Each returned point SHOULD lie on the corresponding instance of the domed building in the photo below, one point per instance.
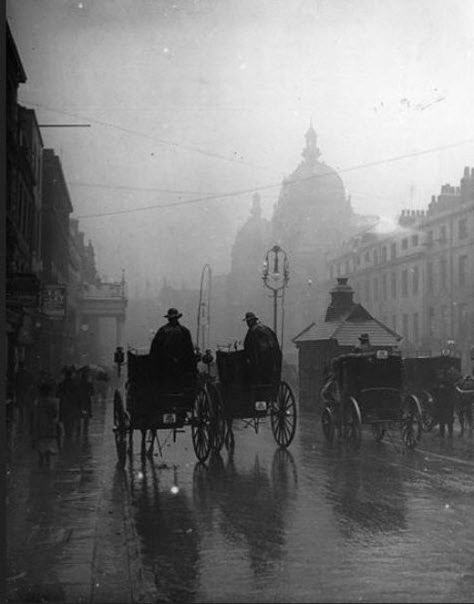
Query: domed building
(313, 212)
(313, 215)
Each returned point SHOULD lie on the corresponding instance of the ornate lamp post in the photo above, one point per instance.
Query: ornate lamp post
(275, 275)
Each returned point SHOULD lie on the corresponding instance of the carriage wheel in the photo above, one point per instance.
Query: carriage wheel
(218, 419)
(411, 426)
(201, 426)
(328, 424)
(378, 430)
(229, 437)
(352, 428)
(428, 420)
(283, 415)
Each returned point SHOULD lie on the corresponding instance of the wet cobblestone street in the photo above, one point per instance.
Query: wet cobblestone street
(314, 523)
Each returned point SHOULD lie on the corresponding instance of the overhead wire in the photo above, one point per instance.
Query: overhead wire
(279, 184)
(158, 140)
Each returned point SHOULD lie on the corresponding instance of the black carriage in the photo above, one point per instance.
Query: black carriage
(366, 389)
(423, 376)
(153, 403)
(241, 398)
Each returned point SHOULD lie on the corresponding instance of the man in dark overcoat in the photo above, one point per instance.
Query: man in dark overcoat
(262, 351)
(172, 356)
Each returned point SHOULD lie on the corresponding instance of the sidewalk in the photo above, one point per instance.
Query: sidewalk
(69, 533)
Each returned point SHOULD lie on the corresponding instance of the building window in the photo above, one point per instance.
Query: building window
(393, 251)
(442, 234)
(394, 322)
(462, 270)
(429, 277)
(339, 270)
(415, 327)
(443, 271)
(405, 327)
(384, 286)
(376, 289)
(405, 283)
(367, 292)
(431, 321)
(384, 254)
(393, 285)
(429, 239)
(347, 267)
(463, 228)
(367, 257)
(331, 271)
(462, 321)
(444, 322)
(405, 243)
(416, 279)
(414, 240)
(376, 258)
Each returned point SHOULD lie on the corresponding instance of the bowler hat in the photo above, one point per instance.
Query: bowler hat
(249, 316)
(364, 337)
(173, 314)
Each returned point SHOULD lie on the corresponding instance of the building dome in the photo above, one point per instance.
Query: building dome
(312, 204)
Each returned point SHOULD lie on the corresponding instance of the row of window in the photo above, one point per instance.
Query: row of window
(438, 323)
(379, 288)
(374, 258)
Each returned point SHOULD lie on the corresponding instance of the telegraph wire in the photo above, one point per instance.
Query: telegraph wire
(277, 185)
(149, 137)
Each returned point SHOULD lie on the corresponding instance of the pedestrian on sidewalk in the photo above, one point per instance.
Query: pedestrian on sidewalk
(24, 394)
(68, 393)
(46, 422)
(86, 394)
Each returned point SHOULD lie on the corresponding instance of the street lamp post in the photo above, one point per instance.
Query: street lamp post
(275, 275)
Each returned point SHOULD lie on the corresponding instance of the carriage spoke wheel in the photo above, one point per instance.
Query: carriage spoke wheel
(283, 415)
(229, 437)
(327, 424)
(218, 419)
(202, 425)
(352, 428)
(378, 430)
(411, 427)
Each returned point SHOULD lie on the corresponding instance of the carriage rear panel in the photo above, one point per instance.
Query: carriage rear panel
(239, 394)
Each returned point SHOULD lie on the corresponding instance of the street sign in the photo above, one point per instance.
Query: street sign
(54, 301)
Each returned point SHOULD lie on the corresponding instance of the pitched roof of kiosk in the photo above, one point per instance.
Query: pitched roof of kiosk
(347, 329)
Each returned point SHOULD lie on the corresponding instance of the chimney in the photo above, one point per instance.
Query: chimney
(341, 300)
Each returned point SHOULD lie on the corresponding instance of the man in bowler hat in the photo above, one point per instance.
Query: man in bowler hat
(262, 351)
(172, 352)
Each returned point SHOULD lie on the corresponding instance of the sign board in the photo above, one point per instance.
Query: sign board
(23, 289)
(54, 301)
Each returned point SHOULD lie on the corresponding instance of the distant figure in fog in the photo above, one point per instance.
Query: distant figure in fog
(46, 422)
(262, 351)
(172, 355)
(68, 393)
(24, 393)
(465, 387)
(86, 394)
(445, 396)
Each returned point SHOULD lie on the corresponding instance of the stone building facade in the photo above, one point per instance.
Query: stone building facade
(418, 275)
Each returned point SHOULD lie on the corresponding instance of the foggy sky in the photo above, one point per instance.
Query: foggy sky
(210, 97)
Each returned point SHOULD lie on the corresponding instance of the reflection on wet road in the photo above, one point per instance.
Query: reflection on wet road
(313, 523)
